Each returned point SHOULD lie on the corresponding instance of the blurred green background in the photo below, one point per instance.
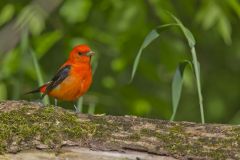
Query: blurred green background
(115, 30)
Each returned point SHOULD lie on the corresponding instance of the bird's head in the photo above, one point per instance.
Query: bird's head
(81, 53)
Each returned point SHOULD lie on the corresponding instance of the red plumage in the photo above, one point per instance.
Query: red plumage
(74, 77)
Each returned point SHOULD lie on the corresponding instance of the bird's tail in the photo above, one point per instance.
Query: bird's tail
(41, 89)
(33, 91)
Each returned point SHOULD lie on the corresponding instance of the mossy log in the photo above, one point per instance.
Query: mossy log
(31, 131)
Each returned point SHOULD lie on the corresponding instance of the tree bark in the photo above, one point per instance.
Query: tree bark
(30, 131)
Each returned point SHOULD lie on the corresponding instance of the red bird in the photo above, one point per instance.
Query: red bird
(74, 77)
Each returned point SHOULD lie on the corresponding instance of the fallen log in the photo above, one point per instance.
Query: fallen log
(30, 130)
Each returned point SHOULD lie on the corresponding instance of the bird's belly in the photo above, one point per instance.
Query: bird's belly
(71, 88)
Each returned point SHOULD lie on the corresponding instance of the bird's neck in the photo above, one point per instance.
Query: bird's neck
(85, 60)
(81, 65)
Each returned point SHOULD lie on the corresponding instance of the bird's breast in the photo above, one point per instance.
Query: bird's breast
(75, 85)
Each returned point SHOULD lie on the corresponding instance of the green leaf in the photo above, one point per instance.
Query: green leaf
(191, 42)
(154, 34)
(165, 27)
(208, 15)
(225, 29)
(149, 38)
(213, 14)
(141, 107)
(196, 64)
(235, 6)
(10, 63)
(108, 82)
(177, 85)
(6, 14)
(36, 24)
(186, 32)
(75, 10)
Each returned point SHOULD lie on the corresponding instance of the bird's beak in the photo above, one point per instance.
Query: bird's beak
(90, 53)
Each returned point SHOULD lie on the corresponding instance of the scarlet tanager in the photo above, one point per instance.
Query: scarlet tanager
(74, 77)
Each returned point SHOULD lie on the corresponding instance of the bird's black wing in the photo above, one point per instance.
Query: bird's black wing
(57, 79)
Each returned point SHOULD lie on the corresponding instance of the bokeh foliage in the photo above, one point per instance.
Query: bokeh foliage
(115, 29)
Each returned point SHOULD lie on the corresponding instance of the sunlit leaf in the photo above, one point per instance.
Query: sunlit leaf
(10, 63)
(118, 64)
(225, 29)
(208, 16)
(141, 107)
(75, 10)
(108, 82)
(177, 86)
(6, 13)
(36, 24)
(235, 5)
(214, 15)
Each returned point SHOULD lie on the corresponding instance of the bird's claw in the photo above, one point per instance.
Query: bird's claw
(76, 109)
(55, 103)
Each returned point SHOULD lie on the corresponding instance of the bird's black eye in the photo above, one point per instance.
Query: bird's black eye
(80, 53)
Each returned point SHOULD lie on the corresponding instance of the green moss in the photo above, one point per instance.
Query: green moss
(176, 141)
(49, 125)
(176, 129)
(105, 127)
(134, 137)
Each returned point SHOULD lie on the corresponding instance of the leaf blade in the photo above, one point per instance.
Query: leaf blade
(196, 65)
(190, 38)
(177, 86)
(149, 38)
(154, 34)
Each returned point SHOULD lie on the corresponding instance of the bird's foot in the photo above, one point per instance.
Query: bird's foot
(55, 103)
(76, 109)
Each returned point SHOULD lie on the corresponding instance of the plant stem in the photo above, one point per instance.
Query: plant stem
(80, 104)
(197, 72)
(39, 75)
(91, 108)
